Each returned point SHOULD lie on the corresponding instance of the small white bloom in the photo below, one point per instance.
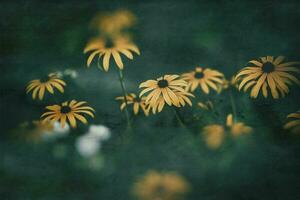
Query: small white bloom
(57, 131)
(59, 74)
(99, 132)
(86, 146)
(70, 72)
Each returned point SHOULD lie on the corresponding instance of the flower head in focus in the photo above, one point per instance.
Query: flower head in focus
(68, 111)
(48, 83)
(268, 74)
(167, 89)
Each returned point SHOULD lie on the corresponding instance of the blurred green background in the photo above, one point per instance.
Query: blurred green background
(39, 37)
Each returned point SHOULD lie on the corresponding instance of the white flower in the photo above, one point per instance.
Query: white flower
(56, 132)
(99, 132)
(70, 72)
(86, 146)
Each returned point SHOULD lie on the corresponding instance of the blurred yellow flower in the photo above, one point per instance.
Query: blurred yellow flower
(204, 77)
(268, 72)
(160, 186)
(214, 134)
(135, 101)
(48, 83)
(107, 48)
(67, 111)
(207, 105)
(294, 123)
(33, 131)
(114, 23)
(167, 89)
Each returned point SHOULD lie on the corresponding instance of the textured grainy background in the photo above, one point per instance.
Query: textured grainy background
(38, 37)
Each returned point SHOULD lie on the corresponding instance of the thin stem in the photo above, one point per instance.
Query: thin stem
(232, 103)
(178, 118)
(121, 78)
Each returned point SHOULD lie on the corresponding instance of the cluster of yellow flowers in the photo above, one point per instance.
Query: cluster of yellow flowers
(156, 185)
(266, 75)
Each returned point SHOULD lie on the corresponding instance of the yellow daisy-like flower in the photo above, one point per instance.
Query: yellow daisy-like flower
(70, 111)
(214, 134)
(294, 124)
(268, 73)
(136, 102)
(160, 186)
(207, 105)
(49, 83)
(167, 89)
(115, 22)
(33, 131)
(107, 48)
(205, 78)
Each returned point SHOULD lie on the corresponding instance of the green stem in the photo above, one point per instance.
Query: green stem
(232, 103)
(178, 118)
(121, 78)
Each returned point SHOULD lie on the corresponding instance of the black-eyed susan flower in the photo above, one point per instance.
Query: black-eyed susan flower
(206, 105)
(160, 186)
(203, 77)
(68, 111)
(214, 134)
(167, 89)
(49, 83)
(136, 103)
(106, 49)
(268, 73)
(113, 23)
(294, 123)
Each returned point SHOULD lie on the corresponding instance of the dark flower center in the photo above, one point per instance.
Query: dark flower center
(137, 99)
(65, 109)
(109, 43)
(162, 83)
(44, 79)
(199, 75)
(268, 67)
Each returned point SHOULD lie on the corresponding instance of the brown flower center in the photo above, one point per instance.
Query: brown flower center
(199, 75)
(268, 67)
(65, 109)
(109, 43)
(44, 79)
(162, 83)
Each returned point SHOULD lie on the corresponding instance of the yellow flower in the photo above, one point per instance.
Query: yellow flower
(67, 111)
(294, 124)
(268, 73)
(107, 48)
(49, 83)
(114, 23)
(33, 131)
(167, 89)
(207, 105)
(160, 186)
(205, 78)
(136, 101)
(237, 128)
(214, 134)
